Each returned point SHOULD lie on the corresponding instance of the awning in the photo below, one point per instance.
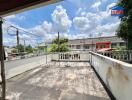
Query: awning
(14, 6)
(105, 49)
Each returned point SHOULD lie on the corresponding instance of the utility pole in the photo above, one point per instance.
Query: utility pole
(58, 42)
(2, 71)
(24, 46)
(92, 44)
(59, 48)
(83, 44)
(46, 51)
(17, 34)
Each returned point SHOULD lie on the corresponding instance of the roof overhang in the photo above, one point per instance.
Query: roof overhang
(8, 7)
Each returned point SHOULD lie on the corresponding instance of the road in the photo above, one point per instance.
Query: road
(12, 68)
(16, 63)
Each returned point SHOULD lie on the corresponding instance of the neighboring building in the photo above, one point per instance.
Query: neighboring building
(8, 49)
(96, 43)
(44, 46)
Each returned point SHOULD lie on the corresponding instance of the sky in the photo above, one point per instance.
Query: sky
(72, 18)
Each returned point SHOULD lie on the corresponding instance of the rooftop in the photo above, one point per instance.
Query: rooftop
(113, 39)
(54, 82)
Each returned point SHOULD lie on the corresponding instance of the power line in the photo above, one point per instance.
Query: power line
(20, 29)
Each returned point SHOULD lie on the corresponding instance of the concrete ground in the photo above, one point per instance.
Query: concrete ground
(57, 81)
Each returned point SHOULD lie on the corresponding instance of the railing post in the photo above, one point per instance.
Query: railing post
(3, 83)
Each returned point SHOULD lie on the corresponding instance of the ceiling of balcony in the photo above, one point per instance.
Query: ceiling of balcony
(8, 7)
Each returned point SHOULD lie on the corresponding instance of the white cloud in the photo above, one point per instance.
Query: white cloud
(10, 17)
(96, 5)
(42, 29)
(10, 40)
(82, 23)
(47, 26)
(16, 17)
(102, 21)
(110, 5)
(47, 30)
(61, 21)
(86, 22)
(108, 28)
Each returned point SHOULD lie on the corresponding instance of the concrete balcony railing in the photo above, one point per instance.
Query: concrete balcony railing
(125, 55)
(71, 56)
(116, 75)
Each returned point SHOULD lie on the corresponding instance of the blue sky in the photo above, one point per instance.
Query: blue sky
(72, 18)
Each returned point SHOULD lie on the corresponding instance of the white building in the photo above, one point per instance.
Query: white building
(91, 43)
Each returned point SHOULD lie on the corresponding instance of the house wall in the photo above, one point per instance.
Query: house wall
(77, 45)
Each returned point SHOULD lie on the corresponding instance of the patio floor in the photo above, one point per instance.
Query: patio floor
(57, 81)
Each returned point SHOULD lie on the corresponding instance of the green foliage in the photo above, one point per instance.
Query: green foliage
(127, 4)
(125, 28)
(21, 48)
(29, 49)
(64, 48)
(61, 40)
(120, 48)
(63, 45)
(54, 48)
(14, 50)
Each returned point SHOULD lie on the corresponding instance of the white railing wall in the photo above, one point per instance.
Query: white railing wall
(125, 55)
(71, 56)
(117, 75)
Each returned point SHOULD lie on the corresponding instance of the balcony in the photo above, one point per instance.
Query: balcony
(57, 81)
(74, 76)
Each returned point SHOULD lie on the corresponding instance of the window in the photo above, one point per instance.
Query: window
(86, 46)
(72, 46)
(78, 47)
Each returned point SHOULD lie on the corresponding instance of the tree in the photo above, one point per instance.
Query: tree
(14, 50)
(125, 28)
(63, 45)
(61, 40)
(21, 48)
(29, 49)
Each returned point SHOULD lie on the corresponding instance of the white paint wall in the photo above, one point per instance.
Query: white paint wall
(117, 75)
(83, 55)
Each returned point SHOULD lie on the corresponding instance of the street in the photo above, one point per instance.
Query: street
(13, 68)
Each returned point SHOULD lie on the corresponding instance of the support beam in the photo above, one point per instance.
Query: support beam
(2, 71)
